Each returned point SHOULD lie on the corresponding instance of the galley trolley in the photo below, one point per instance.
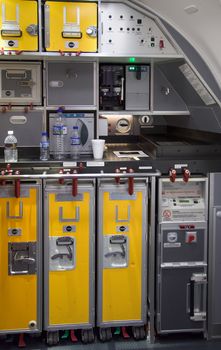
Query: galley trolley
(20, 256)
(122, 257)
(182, 255)
(69, 258)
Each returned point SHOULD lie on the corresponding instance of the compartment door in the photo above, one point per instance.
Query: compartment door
(123, 250)
(71, 26)
(18, 259)
(181, 300)
(68, 259)
(19, 25)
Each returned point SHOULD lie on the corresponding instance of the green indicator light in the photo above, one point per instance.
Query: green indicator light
(132, 59)
(132, 68)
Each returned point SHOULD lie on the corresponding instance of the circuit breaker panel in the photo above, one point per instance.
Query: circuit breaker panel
(70, 26)
(127, 31)
(19, 25)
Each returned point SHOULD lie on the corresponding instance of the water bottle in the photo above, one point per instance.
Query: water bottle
(75, 143)
(10, 151)
(44, 146)
(59, 132)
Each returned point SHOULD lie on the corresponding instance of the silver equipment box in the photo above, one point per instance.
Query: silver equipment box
(85, 123)
(20, 83)
(71, 84)
(27, 127)
(137, 87)
(182, 256)
(214, 280)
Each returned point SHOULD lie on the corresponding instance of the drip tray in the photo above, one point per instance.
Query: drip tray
(135, 154)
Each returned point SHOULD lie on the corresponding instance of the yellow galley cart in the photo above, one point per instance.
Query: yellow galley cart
(20, 257)
(69, 259)
(19, 25)
(122, 258)
(70, 26)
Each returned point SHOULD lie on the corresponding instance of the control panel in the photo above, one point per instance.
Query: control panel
(127, 31)
(20, 83)
(181, 201)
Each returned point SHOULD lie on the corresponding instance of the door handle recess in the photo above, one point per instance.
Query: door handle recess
(9, 216)
(218, 213)
(75, 219)
(117, 215)
(24, 259)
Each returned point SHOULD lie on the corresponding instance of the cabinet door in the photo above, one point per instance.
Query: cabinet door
(166, 98)
(174, 314)
(214, 280)
(70, 84)
(20, 247)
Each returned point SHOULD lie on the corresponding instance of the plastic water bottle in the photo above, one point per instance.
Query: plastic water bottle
(75, 143)
(11, 152)
(59, 132)
(44, 147)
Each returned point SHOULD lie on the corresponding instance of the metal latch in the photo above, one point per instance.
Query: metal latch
(71, 29)
(22, 258)
(115, 251)
(10, 28)
(64, 242)
(197, 296)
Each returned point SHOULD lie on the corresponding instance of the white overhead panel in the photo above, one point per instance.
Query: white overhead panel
(126, 31)
(198, 21)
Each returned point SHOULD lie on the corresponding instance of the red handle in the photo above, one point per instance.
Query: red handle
(130, 183)
(186, 175)
(172, 175)
(61, 181)
(17, 188)
(74, 187)
(117, 179)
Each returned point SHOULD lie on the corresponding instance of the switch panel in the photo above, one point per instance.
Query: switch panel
(126, 31)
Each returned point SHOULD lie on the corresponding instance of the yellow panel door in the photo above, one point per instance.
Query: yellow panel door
(18, 292)
(19, 25)
(122, 272)
(71, 26)
(69, 265)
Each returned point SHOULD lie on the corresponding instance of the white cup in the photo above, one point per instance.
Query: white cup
(98, 148)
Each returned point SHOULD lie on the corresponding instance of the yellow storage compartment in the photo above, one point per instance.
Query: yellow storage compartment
(71, 26)
(122, 274)
(19, 25)
(20, 248)
(69, 257)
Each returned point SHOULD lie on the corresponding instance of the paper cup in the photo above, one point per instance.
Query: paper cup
(98, 148)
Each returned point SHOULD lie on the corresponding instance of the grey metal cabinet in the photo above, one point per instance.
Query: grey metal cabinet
(214, 273)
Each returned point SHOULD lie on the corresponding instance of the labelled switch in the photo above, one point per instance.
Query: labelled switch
(161, 44)
(191, 237)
